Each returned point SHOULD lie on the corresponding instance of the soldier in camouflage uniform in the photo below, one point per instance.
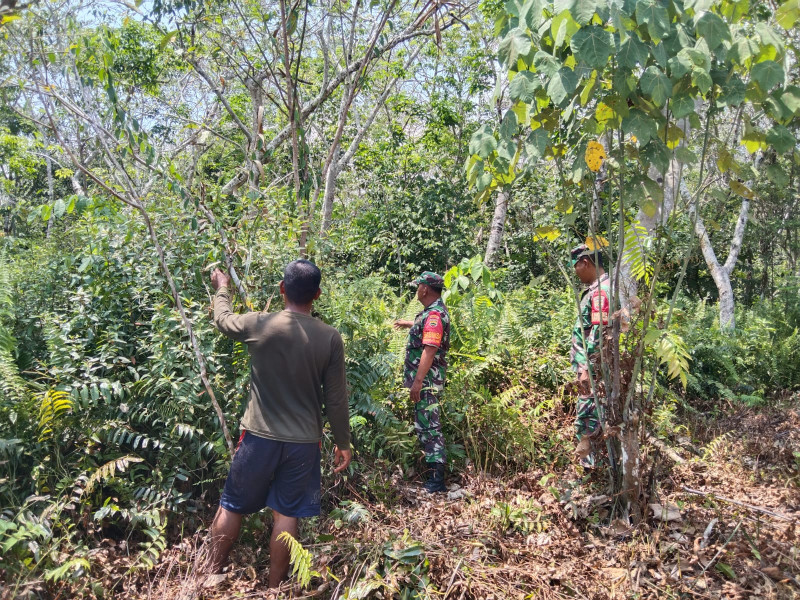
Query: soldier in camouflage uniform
(424, 372)
(586, 337)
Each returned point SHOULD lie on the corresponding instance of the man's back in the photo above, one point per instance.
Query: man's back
(293, 357)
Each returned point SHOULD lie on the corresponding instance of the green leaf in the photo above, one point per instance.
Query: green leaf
(653, 14)
(779, 138)
(563, 28)
(679, 65)
(682, 105)
(59, 208)
(632, 53)
(592, 45)
(656, 85)
(167, 39)
(788, 14)
(656, 154)
(684, 155)
(790, 96)
(546, 63)
(767, 74)
(47, 212)
(505, 152)
(508, 126)
(725, 569)
(483, 142)
(641, 125)
(702, 80)
(562, 85)
(523, 87)
(698, 6)
(732, 92)
(769, 37)
(516, 43)
(536, 144)
(583, 10)
(713, 29)
(777, 175)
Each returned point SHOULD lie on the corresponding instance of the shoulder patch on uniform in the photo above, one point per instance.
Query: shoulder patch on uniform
(600, 308)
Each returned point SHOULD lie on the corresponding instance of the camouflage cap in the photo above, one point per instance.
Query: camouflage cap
(428, 278)
(578, 252)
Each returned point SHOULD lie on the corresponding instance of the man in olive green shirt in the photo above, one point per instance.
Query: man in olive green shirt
(297, 367)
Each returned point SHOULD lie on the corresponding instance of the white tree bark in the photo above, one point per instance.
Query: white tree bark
(721, 273)
(498, 226)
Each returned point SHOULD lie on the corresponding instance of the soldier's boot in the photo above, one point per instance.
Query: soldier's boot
(435, 481)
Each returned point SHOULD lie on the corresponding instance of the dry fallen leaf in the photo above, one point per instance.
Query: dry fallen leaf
(666, 513)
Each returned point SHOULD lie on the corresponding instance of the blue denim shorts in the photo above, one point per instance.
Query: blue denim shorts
(283, 476)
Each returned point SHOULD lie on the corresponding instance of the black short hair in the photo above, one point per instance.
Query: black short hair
(596, 259)
(301, 281)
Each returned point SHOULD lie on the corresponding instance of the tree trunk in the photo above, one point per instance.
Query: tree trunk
(721, 274)
(498, 226)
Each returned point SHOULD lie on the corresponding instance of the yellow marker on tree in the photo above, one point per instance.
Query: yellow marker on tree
(595, 155)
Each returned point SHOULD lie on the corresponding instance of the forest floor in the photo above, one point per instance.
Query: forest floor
(722, 522)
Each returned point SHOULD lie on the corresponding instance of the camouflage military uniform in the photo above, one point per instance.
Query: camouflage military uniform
(431, 328)
(594, 309)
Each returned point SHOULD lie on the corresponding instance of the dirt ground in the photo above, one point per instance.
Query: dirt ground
(722, 521)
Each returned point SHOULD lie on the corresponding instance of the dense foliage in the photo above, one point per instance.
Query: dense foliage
(137, 153)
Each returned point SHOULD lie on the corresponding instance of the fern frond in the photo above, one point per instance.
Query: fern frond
(300, 558)
(636, 251)
(54, 404)
(109, 471)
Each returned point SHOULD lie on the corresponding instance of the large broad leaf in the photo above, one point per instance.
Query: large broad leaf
(767, 74)
(679, 65)
(562, 85)
(788, 14)
(790, 96)
(643, 126)
(582, 10)
(505, 152)
(563, 28)
(781, 139)
(632, 53)
(682, 105)
(536, 144)
(509, 126)
(713, 29)
(656, 154)
(777, 175)
(523, 87)
(592, 45)
(516, 43)
(732, 92)
(546, 63)
(644, 192)
(702, 80)
(653, 14)
(483, 142)
(656, 85)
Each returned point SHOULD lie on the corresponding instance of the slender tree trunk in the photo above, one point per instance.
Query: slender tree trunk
(498, 226)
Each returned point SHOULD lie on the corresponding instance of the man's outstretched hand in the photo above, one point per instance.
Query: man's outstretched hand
(219, 279)
(341, 459)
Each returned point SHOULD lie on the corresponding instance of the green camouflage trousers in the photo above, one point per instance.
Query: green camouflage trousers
(586, 420)
(428, 427)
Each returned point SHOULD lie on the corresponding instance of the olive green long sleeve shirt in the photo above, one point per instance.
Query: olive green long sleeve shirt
(296, 369)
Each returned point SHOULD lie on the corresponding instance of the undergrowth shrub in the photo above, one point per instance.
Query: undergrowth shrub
(752, 364)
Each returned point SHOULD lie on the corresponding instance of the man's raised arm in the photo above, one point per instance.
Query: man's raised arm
(229, 323)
